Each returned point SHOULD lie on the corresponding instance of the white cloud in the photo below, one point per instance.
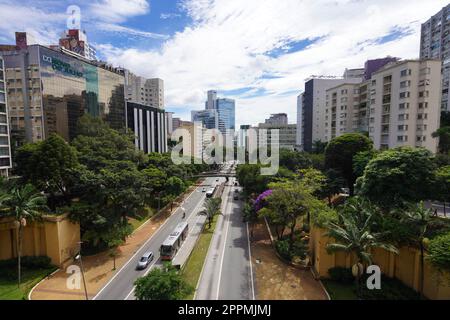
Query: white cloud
(165, 16)
(42, 25)
(119, 10)
(226, 47)
(130, 31)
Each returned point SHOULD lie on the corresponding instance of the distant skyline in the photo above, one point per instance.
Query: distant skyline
(258, 52)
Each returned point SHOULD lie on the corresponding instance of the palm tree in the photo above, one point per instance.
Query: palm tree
(420, 217)
(212, 207)
(24, 204)
(353, 234)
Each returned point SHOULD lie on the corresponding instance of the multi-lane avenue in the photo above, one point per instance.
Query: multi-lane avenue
(121, 286)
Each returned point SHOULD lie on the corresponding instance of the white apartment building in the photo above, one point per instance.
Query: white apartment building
(5, 144)
(342, 102)
(148, 92)
(405, 104)
(398, 106)
(287, 135)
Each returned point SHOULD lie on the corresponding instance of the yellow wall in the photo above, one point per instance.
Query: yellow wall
(55, 237)
(405, 266)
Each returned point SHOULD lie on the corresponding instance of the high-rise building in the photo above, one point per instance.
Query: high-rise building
(147, 92)
(286, 134)
(243, 136)
(277, 119)
(226, 110)
(397, 106)
(311, 106)
(169, 123)
(212, 100)
(434, 40)
(49, 90)
(208, 117)
(5, 144)
(149, 127)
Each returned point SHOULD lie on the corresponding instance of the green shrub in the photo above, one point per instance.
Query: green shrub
(342, 275)
(439, 251)
(30, 262)
(282, 247)
(438, 227)
(391, 289)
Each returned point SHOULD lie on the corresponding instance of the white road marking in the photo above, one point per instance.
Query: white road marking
(224, 247)
(250, 262)
(140, 249)
(150, 267)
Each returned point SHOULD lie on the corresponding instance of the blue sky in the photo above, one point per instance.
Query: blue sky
(258, 52)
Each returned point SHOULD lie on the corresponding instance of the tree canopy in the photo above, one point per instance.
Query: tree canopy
(339, 155)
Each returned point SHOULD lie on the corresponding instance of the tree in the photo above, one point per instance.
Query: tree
(289, 201)
(442, 186)
(162, 284)
(293, 160)
(339, 155)
(332, 185)
(419, 217)
(24, 204)
(212, 208)
(319, 146)
(353, 234)
(398, 176)
(443, 134)
(361, 160)
(49, 165)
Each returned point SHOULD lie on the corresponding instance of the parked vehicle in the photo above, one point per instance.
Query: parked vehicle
(145, 260)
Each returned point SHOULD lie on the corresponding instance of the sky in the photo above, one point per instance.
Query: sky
(258, 52)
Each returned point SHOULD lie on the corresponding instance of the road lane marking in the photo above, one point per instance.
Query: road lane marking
(140, 249)
(150, 267)
(224, 247)
(251, 268)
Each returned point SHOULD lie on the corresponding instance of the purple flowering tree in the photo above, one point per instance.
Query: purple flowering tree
(260, 202)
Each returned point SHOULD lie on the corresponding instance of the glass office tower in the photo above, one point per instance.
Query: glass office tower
(49, 91)
(226, 113)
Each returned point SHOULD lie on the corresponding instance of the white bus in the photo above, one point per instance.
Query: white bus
(210, 192)
(170, 247)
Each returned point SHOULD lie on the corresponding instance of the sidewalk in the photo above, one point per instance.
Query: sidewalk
(98, 268)
(274, 279)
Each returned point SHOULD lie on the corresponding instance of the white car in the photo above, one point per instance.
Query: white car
(145, 260)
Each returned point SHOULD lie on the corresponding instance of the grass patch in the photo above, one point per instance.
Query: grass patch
(193, 268)
(10, 291)
(139, 221)
(340, 291)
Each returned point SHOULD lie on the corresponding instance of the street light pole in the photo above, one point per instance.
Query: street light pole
(78, 257)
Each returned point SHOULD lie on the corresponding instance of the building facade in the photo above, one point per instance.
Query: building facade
(208, 117)
(49, 90)
(226, 112)
(149, 127)
(405, 104)
(5, 143)
(435, 44)
(147, 92)
(285, 133)
(277, 119)
(398, 106)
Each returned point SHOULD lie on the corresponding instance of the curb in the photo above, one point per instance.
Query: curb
(45, 278)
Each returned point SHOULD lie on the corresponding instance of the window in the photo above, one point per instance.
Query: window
(402, 106)
(405, 84)
(405, 73)
(424, 94)
(403, 116)
(405, 94)
(423, 105)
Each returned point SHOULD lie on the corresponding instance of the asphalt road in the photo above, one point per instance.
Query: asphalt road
(227, 273)
(121, 287)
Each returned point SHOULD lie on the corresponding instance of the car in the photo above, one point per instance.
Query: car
(236, 197)
(217, 180)
(204, 190)
(236, 190)
(145, 260)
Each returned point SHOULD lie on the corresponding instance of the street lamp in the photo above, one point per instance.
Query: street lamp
(78, 257)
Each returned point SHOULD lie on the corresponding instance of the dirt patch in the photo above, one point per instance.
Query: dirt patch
(276, 280)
